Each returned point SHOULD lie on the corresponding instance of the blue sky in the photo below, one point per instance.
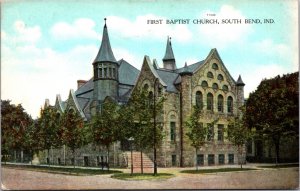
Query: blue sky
(46, 46)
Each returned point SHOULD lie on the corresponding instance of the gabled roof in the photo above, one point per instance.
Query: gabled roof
(169, 55)
(85, 88)
(105, 53)
(127, 73)
(190, 68)
(168, 78)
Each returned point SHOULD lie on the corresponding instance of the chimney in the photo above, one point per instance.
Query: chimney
(80, 83)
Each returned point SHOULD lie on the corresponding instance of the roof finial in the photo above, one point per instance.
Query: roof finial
(185, 65)
(105, 22)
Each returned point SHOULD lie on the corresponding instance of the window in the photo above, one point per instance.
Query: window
(215, 86)
(220, 132)
(231, 159)
(210, 102)
(199, 99)
(225, 88)
(172, 131)
(95, 73)
(229, 104)
(58, 161)
(159, 91)
(105, 72)
(210, 75)
(48, 160)
(221, 159)
(204, 84)
(114, 73)
(100, 73)
(86, 161)
(173, 160)
(146, 86)
(210, 133)
(98, 161)
(200, 159)
(220, 77)
(72, 161)
(215, 66)
(220, 103)
(211, 159)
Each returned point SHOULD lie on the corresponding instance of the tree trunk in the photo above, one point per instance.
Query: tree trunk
(48, 156)
(240, 148)
(108, 157)
(73, 151)
(277, 152)
(142, 167)
(196, 160)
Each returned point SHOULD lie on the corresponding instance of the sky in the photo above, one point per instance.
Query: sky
(47, 45)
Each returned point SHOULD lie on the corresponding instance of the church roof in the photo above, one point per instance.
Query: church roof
(168, 78)
(105, 53)
(127, 73)
(169, 55)
(190, 68)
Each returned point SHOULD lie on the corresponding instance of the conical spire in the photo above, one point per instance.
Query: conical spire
(240, 82)
(105, 53)
(169, 55)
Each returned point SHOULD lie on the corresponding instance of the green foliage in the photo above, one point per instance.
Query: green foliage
(72, 130)
(237, 132)
(105, 124)
(51, 131)
(273, 109)
(216, 170)
(141, 107)
(14, 123)
(197, 133)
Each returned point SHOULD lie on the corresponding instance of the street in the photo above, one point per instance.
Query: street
(285, 178)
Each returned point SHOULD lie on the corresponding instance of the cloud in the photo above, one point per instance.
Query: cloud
(267, 46)
(139, 28)
(80, 28)
(23, 34)
(221, 35)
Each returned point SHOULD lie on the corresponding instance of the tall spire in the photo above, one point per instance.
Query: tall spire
(105, 53)
(169, 55)
(169, 60)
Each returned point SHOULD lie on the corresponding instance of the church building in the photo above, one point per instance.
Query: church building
(206, 83)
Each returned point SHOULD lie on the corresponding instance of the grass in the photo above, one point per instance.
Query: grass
(63, 170)
(280, 166)
(202, 171)
(145, 176)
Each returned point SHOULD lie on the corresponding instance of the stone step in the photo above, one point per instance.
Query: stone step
(136, 158)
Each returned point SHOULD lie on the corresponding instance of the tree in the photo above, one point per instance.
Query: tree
(238, 134)
(197, 133)
(73, 127)
(141, 107)
(273, 110)
(51, 131)
(105, 125)
(14, 122)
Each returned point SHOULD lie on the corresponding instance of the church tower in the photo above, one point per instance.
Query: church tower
(105, 72)
(240, 92)
(169, 60)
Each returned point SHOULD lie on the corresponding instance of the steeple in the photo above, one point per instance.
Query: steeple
(105, 53)
(240, 82)
(169, 59)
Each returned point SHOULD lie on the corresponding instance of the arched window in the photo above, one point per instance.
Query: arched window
(204, 84)
(225, 88)
(215, 66)
(150, 95)
(210, 101)
(229, 104)
(199, 99)
(220, 77)
(220, 103)
(146, 87)
(215, 86)
(210, 75)
(100, 73)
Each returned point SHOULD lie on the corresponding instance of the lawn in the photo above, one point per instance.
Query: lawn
(280, 166)
(63, 170)
(201, 171)
(145, 176)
